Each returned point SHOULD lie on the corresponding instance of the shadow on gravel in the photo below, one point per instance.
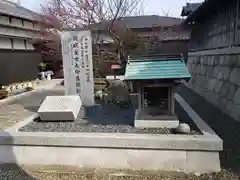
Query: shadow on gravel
(111, 114)
(10, 170)
(32, 108)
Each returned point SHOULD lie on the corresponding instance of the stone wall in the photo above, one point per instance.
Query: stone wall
(216, 77)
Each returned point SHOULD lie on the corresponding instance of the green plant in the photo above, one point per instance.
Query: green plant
(42, 66)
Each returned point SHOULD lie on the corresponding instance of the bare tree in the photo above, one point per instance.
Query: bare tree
(166, 13)
(97, 15)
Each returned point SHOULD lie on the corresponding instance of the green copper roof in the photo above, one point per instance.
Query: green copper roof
(156, 69)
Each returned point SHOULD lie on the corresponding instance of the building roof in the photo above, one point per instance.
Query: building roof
(189, 8)
(146, 69)
(13, 9)
(206, 6)
(139, 22)
(172, 31)
(150, 21)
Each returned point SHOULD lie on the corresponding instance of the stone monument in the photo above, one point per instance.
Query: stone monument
(78, 79)
(77, 65)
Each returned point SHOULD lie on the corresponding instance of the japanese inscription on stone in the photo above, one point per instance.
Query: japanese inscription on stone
(76, 60)
(77, 64)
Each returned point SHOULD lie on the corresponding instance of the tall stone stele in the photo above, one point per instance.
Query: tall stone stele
(77, 65)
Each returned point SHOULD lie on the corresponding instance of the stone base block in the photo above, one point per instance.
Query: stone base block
(86, 111)
(200, 161)
(171, 124)
(146, 121)
(102, 158)
(95, 109)
(60, 108)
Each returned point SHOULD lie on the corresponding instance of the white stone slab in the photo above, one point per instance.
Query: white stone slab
(161, 123)
(60, 108)
(145, 121)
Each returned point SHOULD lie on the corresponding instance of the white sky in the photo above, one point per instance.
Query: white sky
(159, 7)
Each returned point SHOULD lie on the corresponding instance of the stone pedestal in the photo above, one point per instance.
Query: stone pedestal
(60, 108)
(147, 121)
(91, 110)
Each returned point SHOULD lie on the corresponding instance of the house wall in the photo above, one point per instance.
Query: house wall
(214, 57)
(18, 22)
(172, 47)
(15, 56)
(5, 43)
(17, 44)
(11, 31)
(18, 58)
(29, 46)
(12, 26)
(17, 66)
(4, 20)
(28, 25)
(218, 27)
(216, 77)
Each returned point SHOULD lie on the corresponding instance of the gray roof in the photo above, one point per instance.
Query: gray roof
(141, 22)
(138, 22)
(13, 9)
(189, 8)
(150, 21)
(206, 7)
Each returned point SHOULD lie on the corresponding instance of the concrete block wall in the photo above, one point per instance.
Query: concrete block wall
(216, 77)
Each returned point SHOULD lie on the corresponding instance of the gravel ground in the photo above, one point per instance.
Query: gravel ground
(12, 114)
(109, 119)
(15, 173)
(78, 127)
(24, 107)
(33, 101)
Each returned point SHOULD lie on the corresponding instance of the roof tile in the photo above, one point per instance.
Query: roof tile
(156, 69)
(13, 9)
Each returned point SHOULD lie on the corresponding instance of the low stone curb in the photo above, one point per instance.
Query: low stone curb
(182, 153)
(12, 136)
(208, 141)
(201, 124)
